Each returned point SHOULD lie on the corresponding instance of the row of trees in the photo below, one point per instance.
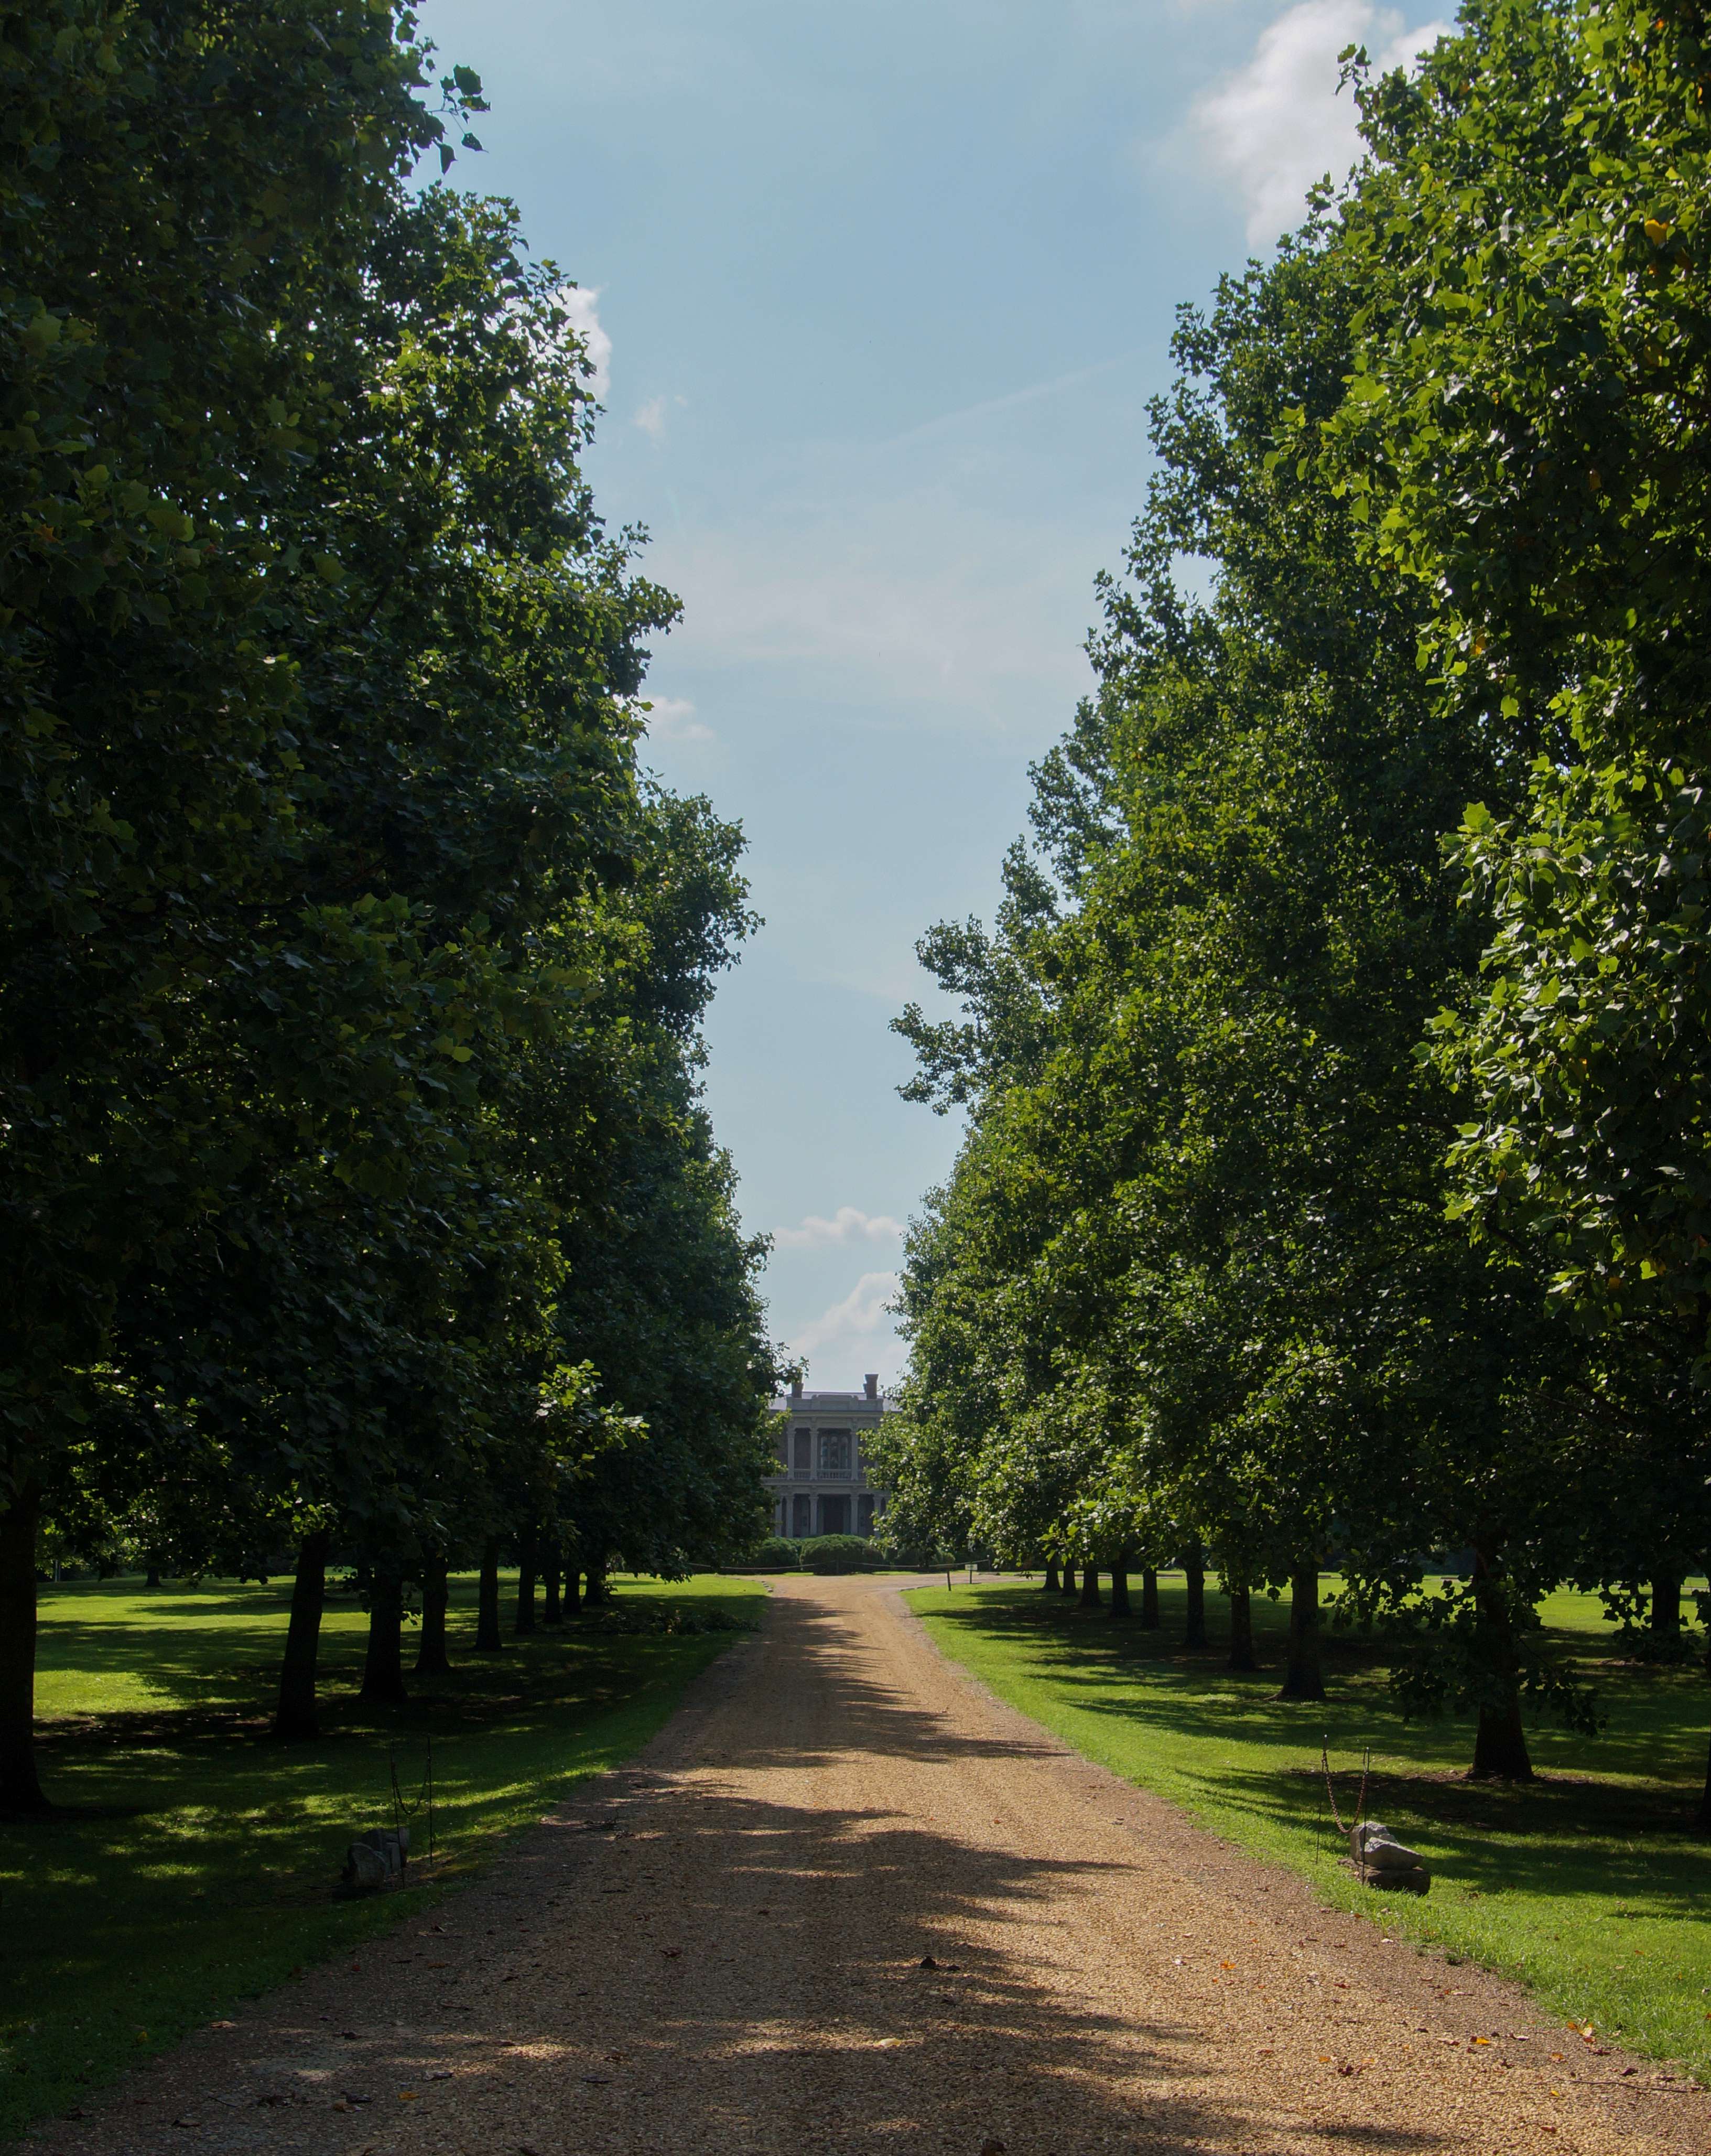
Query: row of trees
(357, 1196)
(1335, 1184)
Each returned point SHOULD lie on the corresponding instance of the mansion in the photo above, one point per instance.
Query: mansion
(821, 1486)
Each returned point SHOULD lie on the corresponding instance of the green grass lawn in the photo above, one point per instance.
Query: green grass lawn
(1586, 1884)
(198, 1861)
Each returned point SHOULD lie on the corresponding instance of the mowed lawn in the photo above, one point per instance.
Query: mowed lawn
(198, 1860)
(1587, 1885)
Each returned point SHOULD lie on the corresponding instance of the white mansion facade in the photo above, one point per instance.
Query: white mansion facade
(821, 1486)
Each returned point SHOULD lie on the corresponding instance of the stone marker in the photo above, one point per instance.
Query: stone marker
(1383, 1861)
(376, 1859)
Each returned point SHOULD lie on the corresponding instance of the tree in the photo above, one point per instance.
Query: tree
(176, 186)
(1523, 441)
(328, 846)
(1219, 1225)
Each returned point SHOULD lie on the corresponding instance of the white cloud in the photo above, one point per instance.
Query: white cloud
(650, 416)
(1279, 124)
(852, 1332)
(673, 719)
(581, 305)
(849, 1224)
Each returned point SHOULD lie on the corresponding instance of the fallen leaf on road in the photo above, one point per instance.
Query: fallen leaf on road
(406, 2096)
(185, 2119)
(993, 2148)
(671, 1953)
(598, 2081)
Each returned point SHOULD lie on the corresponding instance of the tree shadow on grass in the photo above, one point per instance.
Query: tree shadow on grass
(1599, 1821)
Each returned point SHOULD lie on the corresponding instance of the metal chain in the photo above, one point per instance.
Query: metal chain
(1346, 1829)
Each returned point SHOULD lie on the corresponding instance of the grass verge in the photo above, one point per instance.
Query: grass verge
(1585, 1884)
(196, 1862)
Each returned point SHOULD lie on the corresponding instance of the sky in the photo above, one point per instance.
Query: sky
(878, 293)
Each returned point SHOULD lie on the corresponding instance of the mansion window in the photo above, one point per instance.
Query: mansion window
(804, 1452)
(836, 1449)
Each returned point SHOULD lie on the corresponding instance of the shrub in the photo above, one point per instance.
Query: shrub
(778, 1553)
(915, 1558)
(840, 1553)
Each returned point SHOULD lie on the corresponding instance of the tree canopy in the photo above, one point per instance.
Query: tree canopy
(1331, 1190)
(358, 1196)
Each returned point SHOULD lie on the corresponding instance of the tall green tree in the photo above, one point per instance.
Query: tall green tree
(178, 189)
(1228, 1152)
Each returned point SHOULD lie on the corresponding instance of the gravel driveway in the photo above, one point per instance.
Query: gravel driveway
(845, 1901)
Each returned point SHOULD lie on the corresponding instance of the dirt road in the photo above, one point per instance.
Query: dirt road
(725, 1949)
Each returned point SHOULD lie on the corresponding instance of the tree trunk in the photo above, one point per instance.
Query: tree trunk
(1194, 1573)
(1119, 1585)
(1500, 1745)
(432, 1659)
(595, 1593)
(20, 1790)
(1666, 1605)
(1499, 1742)
(1241, 1656)
(573, 1590)
(383, 1665)
(552, 1580)
(488, 1638)
(1050, 1581)
(1066, 1583)
(1149, 1599)
(528, 1571)
(152, 1577)
(294, 1716)
(1090, 1588)
(1303, 1669)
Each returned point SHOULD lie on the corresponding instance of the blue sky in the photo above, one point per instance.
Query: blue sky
(881, 290)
